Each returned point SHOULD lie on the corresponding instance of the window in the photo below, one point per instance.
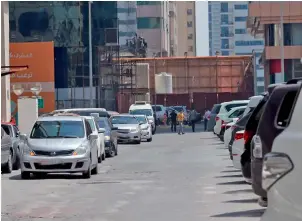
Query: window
(286, 108)
(126, 34)
(224, 19)
(91, 123)
(225, 43)
(190, 36)
(7, 129)
(127, 22)
(224, 32)
(16, 131)
(241, 7)
(240, 19)
(190, 24)
(189, 11)
(210, 17)
(216, 109)
(88, 128)
(148, 2)
(190, 48)
(240, 31)
(158, 108)
(225, 53)
(210, 26)
(126, 10)
(236, 113)
(230, 106)
(260, 78)
(260, 89)
(209, 8)
(224, 7)
(148, 22)
(248, 43)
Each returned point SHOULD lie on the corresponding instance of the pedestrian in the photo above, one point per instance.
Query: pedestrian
(180, 119)
(193, 118)
(173, 117)
(206, 117)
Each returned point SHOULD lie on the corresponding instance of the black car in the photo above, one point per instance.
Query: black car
(111, 145)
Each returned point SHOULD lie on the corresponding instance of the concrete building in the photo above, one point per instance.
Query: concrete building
(264, 20)
(5, 81)
(228, 33)
(153, 26)
(186, 28)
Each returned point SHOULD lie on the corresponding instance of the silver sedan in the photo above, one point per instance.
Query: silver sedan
(59, 144)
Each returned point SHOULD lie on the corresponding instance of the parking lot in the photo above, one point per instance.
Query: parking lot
(175, 177)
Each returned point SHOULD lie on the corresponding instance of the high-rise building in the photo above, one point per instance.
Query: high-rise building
(153, 26)
(228, 34)
(265, 19)
(186, 28)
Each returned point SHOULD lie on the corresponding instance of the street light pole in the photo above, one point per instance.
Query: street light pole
(90, 55)
(282, 42)
(217, 53)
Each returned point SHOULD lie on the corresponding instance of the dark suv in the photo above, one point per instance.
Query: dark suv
(278, 107)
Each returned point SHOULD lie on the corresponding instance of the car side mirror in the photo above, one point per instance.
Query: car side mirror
(102, 130)
(92, 137)
(114, 128)
(23, 136)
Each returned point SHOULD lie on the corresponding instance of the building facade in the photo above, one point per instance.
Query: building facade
(153, 26)
(265, 20)
(67, 25)
(228, 34)
(186, 28)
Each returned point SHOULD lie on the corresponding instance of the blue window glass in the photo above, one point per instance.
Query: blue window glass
(225, 32)
(240, 18)
(126, 10)
(148, 23)
(225, 43)
(241, 7)
(225, 53)
(240, 31)
(210, 17)
(224, 7)
(224, 19)
(210, 26)
(248, 43)
(127, 22)
(209, 7)
(148, 2)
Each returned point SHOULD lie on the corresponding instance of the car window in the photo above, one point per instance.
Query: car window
(146, 112)
(178, 108)
(104, 124)
(228, 107)
(242, 122)
(57, 129)
(124, 120)
(2, 132)
(158, 108)
(236, 113)
(16, 130)
(141, 119)
(285, 109)
(216, 109)
(88, 128)
(6, 129)
(91, 123)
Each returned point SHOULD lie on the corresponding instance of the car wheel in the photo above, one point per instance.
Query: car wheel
(100, 158)
(25, 175)
(153, 131)
(104, 156)
(111, 150)
(16, 165)
(149, 140)
(95, 170)
(87, 174)
(8, 168)
(116, 150)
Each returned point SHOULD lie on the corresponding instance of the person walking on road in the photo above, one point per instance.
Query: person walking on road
(206, 116)
(180, 119)
(192, 119)
(173, 117)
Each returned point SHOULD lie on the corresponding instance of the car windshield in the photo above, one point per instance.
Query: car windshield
(141, 119)
(146, 112)
(91, 123)
(103, 123)
(123, 120)
(178, 109)
(58, 129)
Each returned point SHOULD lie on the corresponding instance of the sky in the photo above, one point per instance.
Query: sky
(202, 28)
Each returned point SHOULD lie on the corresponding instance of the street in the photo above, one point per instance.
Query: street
(175, 177)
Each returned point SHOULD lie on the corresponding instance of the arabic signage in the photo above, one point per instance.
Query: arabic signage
(39, 56)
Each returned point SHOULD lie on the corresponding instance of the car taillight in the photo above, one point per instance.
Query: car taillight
(223, 125)
(247, 136)
(257, 151)
(275, 166)
(238, 136)
(216, 118)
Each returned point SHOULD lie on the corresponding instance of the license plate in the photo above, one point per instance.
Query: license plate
(124, 135)
(50, 162)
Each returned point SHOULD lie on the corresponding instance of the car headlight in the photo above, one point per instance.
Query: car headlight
(134, 130)
(145, 128)
(107, 138)
(28, 151)
(81, 150)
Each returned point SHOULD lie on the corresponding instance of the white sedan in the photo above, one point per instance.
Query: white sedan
(146, 127)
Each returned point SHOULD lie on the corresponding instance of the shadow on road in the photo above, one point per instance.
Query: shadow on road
(239, 191)
(49, 176)
(233, 183)
(230, 176)
(255, 200)
(247, 213)
(230, 171)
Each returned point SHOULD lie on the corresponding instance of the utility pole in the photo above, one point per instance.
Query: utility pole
(282, 42)
(90, 55)
(217, 100)
(255, 72)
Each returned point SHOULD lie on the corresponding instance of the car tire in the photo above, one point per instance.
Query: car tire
(138, 142)
(116, 150)
(104, 156)
(100, 158)
(112, 150)
(16, 165)
(95, 170)
(149, 140)
(8, 167)
(87, 174)
(25, 175)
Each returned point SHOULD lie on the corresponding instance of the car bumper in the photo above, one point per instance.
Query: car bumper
(146, 134)
(256, 165)
(121, 137)
(66, 164)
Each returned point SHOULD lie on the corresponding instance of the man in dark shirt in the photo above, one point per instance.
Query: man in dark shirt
(173, 117)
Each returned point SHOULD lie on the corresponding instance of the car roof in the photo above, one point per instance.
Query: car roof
(88, 117)
(58, 118)
(139, 115)
(124, 115)
(240, 107)
(83, 109)
(235, 102)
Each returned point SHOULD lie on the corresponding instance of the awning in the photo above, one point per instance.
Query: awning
(7, 70)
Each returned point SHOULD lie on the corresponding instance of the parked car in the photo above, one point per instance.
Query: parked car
(228, 127)
(211, 119)
(146, 127)
(111, 113)
(224, 110)
(111, 144)
(254, 101)
(281, 173)
(129, 129)
(160, 111)
(101, 138)
(59, 144)
(13, 132)
(237, 149)
(6, 152)
(280, 104)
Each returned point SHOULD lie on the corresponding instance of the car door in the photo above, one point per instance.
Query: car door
(113, 134)
(93, 143)
(101, 136)
(5, 146)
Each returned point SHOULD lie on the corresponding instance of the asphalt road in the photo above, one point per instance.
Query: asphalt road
(173, 178)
